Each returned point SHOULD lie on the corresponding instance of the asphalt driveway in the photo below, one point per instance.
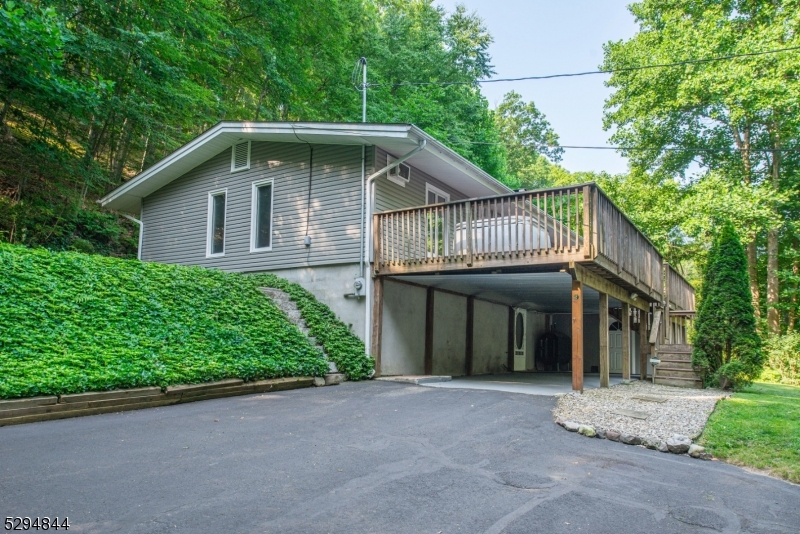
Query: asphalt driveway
(369, 457)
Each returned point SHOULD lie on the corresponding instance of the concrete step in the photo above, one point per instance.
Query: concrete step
(663, 356)
(695, 383)
(675, 348)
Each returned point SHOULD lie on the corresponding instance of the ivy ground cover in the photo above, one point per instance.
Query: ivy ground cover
(73, 322)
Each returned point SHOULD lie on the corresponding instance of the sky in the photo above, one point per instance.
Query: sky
(538, 37)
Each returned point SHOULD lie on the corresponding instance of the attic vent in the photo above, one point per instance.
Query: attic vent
(401, 174)
(240, 156)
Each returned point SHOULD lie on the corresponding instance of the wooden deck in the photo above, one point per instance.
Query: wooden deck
(532, 230)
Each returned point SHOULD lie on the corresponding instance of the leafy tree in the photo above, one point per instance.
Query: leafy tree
(726, 344)
(527, 137)
(734, 117)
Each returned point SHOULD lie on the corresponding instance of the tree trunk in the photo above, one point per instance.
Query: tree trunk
(742, 140)
(773, 283)
(4, 129)
(795, 273)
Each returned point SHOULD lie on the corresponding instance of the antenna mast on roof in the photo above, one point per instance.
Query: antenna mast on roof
(363, 62)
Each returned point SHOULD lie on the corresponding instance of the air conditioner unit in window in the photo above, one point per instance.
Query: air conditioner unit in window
(401, 174)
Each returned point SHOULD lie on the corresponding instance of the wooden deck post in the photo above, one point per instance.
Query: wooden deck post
(377, 322)
(429, 331)
(644, 345)
(667, 339)
(510, 356)
(469, 346)
(603, 328)
(577, 336)
(626, 341)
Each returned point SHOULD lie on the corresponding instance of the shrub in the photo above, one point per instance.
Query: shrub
(726, 344)
(341, 345)
(72, 322)
(783, 358)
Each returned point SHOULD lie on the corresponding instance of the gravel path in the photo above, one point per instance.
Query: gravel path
(685, 411)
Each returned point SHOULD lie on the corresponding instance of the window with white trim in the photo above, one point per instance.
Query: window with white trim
(261, 216)
(215, 245)
(434, 195)
(240, 156)
(401, 174)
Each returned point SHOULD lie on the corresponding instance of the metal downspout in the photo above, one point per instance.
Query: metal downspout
(366, 227)
(141, 232)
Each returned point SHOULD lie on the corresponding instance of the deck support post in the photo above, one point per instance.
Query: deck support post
(603, 327)
(644, 345)
(577, 336)
(377, 322)
(626, 341)
(469, 346)
(429, 296)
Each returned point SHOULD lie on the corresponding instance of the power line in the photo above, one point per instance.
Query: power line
(592, 72)
(635, 149)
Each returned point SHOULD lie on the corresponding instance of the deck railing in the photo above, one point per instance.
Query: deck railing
(624, 247)
(559, 225)
(681, 293)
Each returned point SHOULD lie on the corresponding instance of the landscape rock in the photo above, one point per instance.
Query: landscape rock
(571, 426)
(587, 431)
(696, 450)
(560, 422)
(627, 439)
(650, 443)
(678, 444)
(319, 381)
(331, 379)
(706, 456)
(662, 447)
(613, 435)
(601, 433)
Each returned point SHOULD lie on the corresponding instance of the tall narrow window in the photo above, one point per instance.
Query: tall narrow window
(261, 218)
(216, 223)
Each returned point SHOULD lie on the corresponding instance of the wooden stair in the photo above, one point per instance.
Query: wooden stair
(676, 368)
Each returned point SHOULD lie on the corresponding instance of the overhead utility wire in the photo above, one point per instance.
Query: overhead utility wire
(639, 149)
(591, 72)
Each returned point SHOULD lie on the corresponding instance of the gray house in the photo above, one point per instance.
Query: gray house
(438, 267)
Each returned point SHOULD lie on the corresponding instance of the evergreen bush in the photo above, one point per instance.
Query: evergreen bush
(726, 345)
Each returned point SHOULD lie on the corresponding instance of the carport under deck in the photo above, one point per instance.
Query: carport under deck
(553, 252)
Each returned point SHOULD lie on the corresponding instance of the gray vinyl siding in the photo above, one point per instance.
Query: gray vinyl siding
(176, 216)
(391, 196)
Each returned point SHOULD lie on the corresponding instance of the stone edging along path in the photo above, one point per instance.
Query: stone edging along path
(659, 417)
(28, 410)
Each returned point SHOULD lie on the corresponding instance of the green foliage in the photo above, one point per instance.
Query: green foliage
(783, 358)
(341, 345)
(726, 343)
(73, 322)
(527, 137)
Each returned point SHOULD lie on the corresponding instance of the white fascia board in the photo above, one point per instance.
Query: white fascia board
(467, 167)
(225, 133)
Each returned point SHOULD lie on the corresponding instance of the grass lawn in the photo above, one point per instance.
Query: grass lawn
(759, 428)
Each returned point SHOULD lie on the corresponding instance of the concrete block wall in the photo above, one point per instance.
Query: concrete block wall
(490, 344)
(449, 334)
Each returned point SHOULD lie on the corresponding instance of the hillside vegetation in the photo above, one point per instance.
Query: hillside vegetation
(72, 322)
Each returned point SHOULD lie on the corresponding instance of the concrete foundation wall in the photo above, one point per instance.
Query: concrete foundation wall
(329, 284)
(403, 332)
(490, 338)
(449, 334)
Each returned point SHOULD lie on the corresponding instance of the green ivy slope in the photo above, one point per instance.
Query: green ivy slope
(341, 345)
(72, 322)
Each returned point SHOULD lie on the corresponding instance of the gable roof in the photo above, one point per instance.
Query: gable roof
(435, 159)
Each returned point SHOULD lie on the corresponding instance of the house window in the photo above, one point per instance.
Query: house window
(240, 156)
(401, 174)
(261, 216)
(434, 195)
(216, 223)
